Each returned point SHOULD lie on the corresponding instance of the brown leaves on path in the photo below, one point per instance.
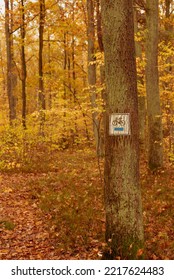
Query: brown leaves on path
(53, 215)
(158, 197)
(60, 214)
(27, 238)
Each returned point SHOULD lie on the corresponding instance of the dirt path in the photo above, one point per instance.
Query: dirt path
(23, 233)
(27, 232)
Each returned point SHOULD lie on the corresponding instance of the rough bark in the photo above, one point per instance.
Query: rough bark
(124, 227)
(155, 137)
(11, 73)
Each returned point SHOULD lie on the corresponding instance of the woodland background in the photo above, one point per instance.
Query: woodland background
(51, 117)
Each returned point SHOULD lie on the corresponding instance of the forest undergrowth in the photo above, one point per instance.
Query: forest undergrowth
(58, 212)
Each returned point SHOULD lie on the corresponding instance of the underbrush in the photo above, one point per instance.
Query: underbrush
(28, 150)
(65, 184)
(72, 200)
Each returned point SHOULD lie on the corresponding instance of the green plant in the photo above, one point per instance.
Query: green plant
(9, 225)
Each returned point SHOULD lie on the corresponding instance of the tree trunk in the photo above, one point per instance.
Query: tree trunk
(142, 112)
(99, 25)
(2, 70)
(11, 75)
(92, 69)
(65, 78)
(75, 134)
(42, 104)
(23, 64)
(49, 74)
(169, 86)
(155, 137)
(124, 228)
(102, 76)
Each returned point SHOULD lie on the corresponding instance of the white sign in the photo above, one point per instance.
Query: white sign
(119, 124)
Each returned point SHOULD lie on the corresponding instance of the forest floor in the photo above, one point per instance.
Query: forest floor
(59, 213)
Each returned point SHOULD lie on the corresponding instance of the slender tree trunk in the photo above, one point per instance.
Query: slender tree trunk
(41, 33)
(2, 70)
(99, 26)
(49, 74)
(102, 77)
(65, 61)
(138, 49)
(169, 86)
(124, 227)
(23, 64)
(142, 111)
(92, 69)
(42, 103)
(11, 75)
(155, 137)
(74, 86)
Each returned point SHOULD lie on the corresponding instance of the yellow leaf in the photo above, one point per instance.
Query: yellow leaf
(8, 190)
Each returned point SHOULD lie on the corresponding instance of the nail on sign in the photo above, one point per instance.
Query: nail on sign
(119, 124)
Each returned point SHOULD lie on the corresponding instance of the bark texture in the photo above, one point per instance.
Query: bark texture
(124, 227)
(155, 137)
(11, 73)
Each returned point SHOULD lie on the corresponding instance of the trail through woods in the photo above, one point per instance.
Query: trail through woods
(45, 215)
(60, 215)
(29, 239)
(25, 231)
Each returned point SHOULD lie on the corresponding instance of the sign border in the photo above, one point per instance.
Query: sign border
(110, 125)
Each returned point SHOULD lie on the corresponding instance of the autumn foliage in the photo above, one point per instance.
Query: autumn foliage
(51, 177)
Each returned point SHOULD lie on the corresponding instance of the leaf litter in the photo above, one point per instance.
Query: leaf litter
(60, 214)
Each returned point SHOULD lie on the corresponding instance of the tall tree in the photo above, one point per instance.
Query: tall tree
(11, 73)
(42, 103)
(124, 227)
(140, 80)
(155, 137)
(102, 73)
(3, 75)
(73, 45)
(92, 69)
(99, 25)
(23, 64)
(168, 85)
